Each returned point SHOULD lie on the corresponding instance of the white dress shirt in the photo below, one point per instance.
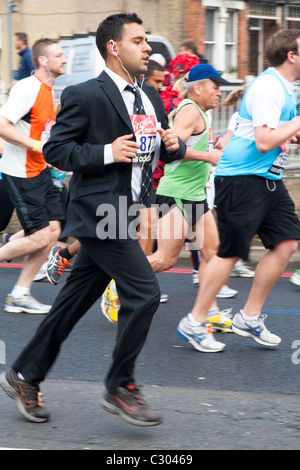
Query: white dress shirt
(128, 98)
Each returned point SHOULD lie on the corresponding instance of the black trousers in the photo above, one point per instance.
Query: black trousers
(96, 264)
(6, 207)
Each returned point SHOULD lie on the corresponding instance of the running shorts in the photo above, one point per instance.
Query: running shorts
(192, 210)
(36, 200)
(249, 205)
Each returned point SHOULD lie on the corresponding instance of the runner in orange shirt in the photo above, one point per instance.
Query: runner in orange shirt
(25, 123)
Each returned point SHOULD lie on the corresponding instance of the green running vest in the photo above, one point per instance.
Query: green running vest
(187, 179)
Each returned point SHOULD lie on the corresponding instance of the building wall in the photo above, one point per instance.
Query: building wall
(56, 18)
(243, 46)
(175, 19)
(194, 23)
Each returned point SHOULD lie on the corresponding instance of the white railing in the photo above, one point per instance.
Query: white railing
(222, 114)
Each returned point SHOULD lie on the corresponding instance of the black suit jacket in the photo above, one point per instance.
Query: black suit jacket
(92, 115)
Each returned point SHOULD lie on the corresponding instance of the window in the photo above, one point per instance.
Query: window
(293, 14)
(209, 34)
(230, 41)
(82, 57)
(263, 10)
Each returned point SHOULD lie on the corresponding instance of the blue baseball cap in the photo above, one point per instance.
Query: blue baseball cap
(202, 71)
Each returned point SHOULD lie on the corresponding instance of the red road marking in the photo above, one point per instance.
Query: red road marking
(170, 271)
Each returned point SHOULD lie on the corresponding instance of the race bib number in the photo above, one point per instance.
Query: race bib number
(279, 164)
(144, 128)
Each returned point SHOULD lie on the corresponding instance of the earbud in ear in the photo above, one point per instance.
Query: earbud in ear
(113, 48)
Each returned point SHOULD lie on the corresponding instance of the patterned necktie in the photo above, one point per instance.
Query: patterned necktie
(146, 181)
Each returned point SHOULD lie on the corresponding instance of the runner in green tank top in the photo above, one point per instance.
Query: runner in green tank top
(181, 192)
(187, 179)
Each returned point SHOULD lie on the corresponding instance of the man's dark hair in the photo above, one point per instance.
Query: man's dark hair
(22, 37)
(191, 45)
(153, 65)
(279, 44)
(113, 28)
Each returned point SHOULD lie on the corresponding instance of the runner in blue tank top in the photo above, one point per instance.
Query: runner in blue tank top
(250, 195)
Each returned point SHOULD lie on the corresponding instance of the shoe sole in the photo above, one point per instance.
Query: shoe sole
(10, 391)
(222, 329)
(294, 281)
(54, 283)
(11, 309)
(242, 275)
(40, 278)
(226, 296)
(197, 345)
(247, 334)
(117, 411)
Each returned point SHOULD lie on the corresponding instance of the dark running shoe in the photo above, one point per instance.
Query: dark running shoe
(56, 265)
(28, 397)
(131, 407)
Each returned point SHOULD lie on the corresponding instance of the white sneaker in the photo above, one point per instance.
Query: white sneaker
(195, 277)
(26, 304)
(164, 298)
(295, 279)
(241, 270)
(255, 329)
(200, 336)
(226, 293)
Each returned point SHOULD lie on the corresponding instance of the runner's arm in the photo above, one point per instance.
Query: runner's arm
(11, 134)
(187, 122)
(268, 139)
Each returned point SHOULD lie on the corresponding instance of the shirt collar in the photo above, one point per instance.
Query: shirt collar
(21, 53)
(119, 81)
(289, 85)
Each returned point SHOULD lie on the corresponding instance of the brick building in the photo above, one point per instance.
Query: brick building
(231, 34)
(56, 19)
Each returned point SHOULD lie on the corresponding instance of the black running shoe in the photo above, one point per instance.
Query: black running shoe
(28, 397)
(56, 265)
(131, 407)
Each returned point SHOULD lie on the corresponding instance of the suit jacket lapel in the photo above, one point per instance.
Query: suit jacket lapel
(113, 94)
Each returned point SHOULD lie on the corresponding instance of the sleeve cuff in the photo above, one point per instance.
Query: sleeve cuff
(108, 155)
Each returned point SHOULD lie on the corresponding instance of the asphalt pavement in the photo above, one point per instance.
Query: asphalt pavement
(244, 398)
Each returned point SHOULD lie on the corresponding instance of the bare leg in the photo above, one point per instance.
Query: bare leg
(216, 274)
(17, 235)
(209, 246)
(24, 246)
(267, 272)
(171, 233)
(34, 261)
(148, 227)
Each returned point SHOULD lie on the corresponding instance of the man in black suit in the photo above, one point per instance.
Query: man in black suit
(95, 137)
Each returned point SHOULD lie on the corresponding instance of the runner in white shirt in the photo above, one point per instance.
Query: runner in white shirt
(25, 122)
(250, 195)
